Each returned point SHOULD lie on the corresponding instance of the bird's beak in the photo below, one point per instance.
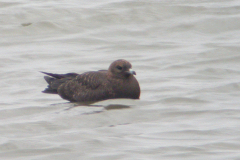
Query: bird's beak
(131, 72)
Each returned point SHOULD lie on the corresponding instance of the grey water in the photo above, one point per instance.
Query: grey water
(187, 60)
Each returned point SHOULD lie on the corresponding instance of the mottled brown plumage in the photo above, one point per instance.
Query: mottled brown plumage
(116, 82)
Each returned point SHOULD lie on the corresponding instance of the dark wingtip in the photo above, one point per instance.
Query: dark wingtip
(42, 72)
(46, 73)
(58, 76)
(50, 91)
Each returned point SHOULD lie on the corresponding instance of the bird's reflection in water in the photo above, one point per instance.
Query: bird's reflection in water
(107, 107)
(92, 108)
(116, 106)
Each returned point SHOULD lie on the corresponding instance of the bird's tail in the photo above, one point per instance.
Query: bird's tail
(56, 80)
(50, 89)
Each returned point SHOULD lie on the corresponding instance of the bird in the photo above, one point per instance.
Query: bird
(116, 82)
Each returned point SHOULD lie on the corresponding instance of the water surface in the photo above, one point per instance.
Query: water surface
(185, 53)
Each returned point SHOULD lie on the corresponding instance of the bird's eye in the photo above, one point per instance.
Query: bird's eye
(119, 67)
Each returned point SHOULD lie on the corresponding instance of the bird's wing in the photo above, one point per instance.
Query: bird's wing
(89, 86)
(59, 76)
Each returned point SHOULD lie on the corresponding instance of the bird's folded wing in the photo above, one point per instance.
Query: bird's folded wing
(89, 86)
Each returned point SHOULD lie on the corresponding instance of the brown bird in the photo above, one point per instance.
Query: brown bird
(116, 82)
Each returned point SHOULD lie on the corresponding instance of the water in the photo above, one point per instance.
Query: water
(185, 53)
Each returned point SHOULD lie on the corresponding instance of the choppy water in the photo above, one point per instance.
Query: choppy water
(185, 53)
